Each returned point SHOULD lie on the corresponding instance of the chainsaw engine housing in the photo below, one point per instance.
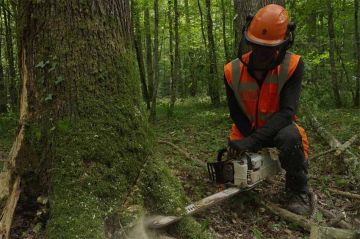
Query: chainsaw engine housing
(245, 170)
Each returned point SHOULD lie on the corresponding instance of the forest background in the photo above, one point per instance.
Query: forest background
(181, 47)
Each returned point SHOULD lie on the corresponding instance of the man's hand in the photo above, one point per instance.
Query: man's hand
(247, 143)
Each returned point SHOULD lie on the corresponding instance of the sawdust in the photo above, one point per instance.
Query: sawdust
(140, 232)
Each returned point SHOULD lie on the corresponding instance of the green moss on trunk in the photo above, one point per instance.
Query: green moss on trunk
(87, 131)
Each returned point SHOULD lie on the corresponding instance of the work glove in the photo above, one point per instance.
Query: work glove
(246, 144)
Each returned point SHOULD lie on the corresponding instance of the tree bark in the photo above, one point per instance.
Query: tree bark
(331, 32)
(156, 61)
(149, 52)
(83, 135)
(177, 58)
(139, 52)
(213, 82)
(173, 79)
(226, 48)
(10, 58)
(202, 24)
(3, 95)
(190, 80)
(357, 42)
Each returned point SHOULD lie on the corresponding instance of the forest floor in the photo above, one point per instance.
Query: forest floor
(200, 130)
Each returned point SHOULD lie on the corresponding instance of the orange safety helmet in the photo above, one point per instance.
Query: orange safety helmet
(269, 27)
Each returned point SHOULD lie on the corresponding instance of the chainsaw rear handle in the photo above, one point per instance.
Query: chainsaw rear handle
(221, 153)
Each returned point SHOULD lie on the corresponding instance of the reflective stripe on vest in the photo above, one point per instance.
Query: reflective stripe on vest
(260, 104)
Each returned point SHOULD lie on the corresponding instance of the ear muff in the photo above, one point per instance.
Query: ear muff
(291, 35)
(248, 20)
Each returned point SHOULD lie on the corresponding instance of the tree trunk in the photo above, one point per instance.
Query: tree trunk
(139, 52)
(202, 24)
(156, 61)
(243, 8)
(357, 53)
(331, 32)
(171, 58)
(83, 136)
(149, 55)
(189, 80)
(177, 58)
(226, 48)
(213, 82)
(10, 58)
(3, 96)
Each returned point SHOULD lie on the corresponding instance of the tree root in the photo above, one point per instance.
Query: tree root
(345, 194)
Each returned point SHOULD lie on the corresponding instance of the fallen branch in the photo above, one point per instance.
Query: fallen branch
(319, 232)
(322, 154)
(186, 154)
(345, 194)
(8, 212)
(329, 214)
(338, 150)
(351, 162)
(345, 145)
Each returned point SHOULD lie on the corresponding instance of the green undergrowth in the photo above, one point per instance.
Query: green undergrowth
(200, 130)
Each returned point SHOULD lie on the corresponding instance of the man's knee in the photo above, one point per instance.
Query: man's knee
(288, 138)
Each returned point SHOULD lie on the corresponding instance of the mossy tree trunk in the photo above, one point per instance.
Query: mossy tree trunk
(85, 138)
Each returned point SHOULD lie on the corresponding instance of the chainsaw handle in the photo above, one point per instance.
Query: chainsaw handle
(221, 154)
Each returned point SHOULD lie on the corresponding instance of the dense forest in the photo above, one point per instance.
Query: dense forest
(109, 111)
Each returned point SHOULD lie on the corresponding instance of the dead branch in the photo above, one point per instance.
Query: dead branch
(319, 232)
(351, 162)
(329, 214)
(185, 153)
(345, 145)
(345, 194)
(285, 214)
(8, 212)
(322, 154)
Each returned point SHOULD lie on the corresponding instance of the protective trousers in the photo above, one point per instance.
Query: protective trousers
(292, 158)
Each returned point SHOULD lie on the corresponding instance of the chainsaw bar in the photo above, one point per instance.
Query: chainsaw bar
(156, 222)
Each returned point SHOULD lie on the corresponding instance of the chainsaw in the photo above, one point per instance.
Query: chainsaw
(239, 172)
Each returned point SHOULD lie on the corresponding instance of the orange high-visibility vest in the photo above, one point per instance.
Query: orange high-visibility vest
(259, 104)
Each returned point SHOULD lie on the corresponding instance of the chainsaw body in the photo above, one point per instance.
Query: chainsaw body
(244, 170)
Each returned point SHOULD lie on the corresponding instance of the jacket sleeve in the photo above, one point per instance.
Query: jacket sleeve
(236, 113)
(288, 104)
